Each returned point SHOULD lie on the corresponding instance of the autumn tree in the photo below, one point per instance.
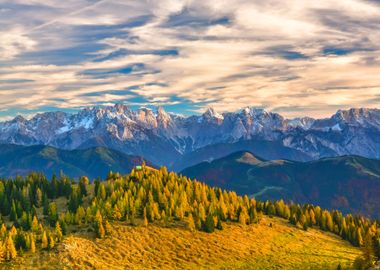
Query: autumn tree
(190, 223)
(44, 241)
(58, 232)
(10, 249)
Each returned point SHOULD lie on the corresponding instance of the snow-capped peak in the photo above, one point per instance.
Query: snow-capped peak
(212, 113)
(304, 122)
(136, 130)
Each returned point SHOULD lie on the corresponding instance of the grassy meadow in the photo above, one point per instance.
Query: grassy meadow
(271, 244)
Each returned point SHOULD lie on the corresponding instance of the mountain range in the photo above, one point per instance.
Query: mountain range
(348, 183)
(92, 162)
(177, 141)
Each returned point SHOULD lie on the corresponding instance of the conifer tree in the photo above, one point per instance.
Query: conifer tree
(312, 217)
(369, 251)
(145, 218)
(2, 252)
(3, 231)
(243, 216)
(52, 213)
(190, 223)
(51, 242)
(107, 227)
(83, 183)
(101, 232)
(32, 244)
(99, 228)
(5, 206)
(219, 225)
(13, 215)
(58, 232)
(209, 224)
(39, 197)
(359, 238)
(45, 203)
(44, 241)
(34, 226)
(10, 249)
(329, 222)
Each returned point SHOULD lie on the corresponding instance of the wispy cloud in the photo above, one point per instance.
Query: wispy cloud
(296, 57)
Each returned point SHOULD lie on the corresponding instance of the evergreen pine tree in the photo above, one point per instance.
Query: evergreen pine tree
(209, 225)
(219, 225)
(45, 203)
(13, 215)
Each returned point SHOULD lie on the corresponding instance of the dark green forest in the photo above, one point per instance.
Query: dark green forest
(31, 218)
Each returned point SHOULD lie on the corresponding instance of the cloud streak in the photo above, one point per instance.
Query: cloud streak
(294, 57)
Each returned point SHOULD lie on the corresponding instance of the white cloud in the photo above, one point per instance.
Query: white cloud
(270, 54)
(13, 42)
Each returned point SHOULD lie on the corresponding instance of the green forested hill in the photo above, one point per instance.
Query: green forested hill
(93, 162)
(349, 183)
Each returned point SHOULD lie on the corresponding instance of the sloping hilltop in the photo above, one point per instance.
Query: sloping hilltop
(155, 219)
(270, 244)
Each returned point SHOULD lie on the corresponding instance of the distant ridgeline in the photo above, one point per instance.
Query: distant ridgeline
(34, 217)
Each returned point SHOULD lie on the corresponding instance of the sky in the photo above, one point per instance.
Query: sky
(294, 57)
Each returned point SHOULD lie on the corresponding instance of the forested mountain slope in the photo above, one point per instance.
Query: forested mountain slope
(348, 183)
(93, 162)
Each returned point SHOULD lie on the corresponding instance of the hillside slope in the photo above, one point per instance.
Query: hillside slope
(93, 162)
(348, 183)
(259, 246)
(265, 149)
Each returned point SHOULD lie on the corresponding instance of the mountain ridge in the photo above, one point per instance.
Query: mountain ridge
(148, 133)
(92, 162)
(348, 183)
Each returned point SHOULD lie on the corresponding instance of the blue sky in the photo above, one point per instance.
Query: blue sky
(294, 57)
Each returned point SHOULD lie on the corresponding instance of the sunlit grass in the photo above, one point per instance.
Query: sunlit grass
(260, 246)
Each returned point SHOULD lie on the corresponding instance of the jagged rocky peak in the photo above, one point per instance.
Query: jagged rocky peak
(163, 118)
(358, 116)
(18, 118)
(161, 112)
(121, 108)
(211, 113)
(252, 111)
(118, 124)
(146, 117)
(354, 114)
(303, 122)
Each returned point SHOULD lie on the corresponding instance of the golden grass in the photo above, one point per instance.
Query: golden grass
(236, 247)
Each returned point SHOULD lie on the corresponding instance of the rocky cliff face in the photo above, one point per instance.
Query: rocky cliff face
(163, 137)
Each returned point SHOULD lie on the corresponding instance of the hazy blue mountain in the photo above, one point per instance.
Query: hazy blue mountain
(348, 183)
(92, 162)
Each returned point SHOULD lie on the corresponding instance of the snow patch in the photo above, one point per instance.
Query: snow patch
(336, 127)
